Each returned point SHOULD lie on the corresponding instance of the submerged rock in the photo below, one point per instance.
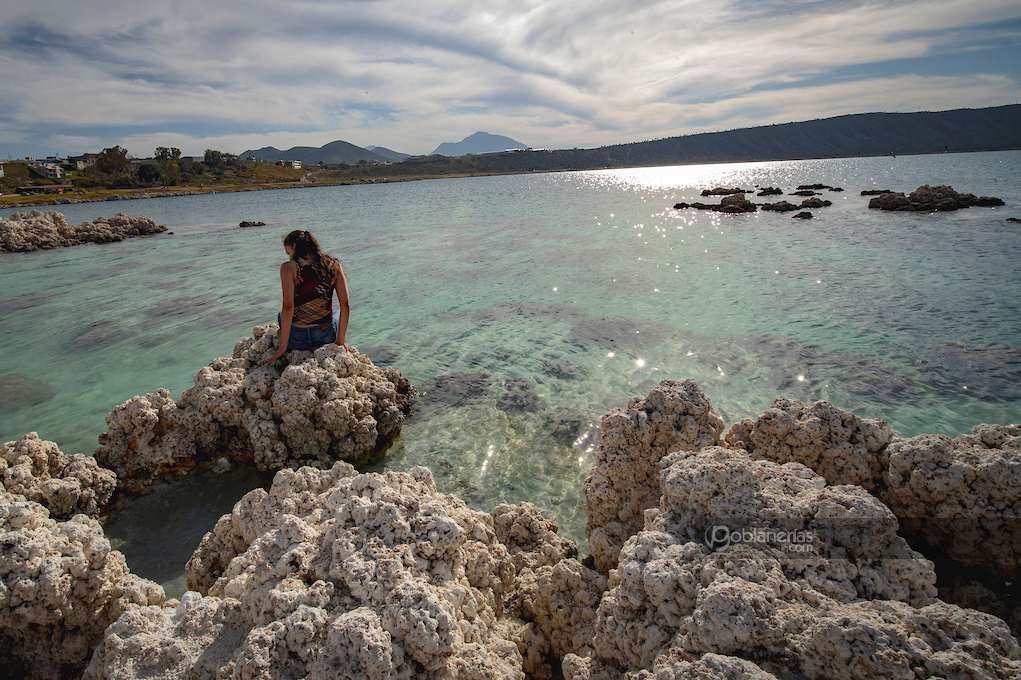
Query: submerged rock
(624, 481)
(456, 389)
(320, 407)
(35, 230)
(37, 470)
(802, 216)
(519, 396)
(18, 390)
(931, 199)
(61, 585)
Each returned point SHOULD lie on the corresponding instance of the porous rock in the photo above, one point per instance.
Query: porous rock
(852, 585)
(36, 230)
(61, 585)
(318, 407)
(815, 202)
(770, 191)
(332, 574)
(625, 478)
(779, 206)
(835, 443)
(37, 470)
(962, 494)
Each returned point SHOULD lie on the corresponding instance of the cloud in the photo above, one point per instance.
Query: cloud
(409, 75)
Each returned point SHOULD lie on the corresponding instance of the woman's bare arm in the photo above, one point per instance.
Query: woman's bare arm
(286, 310)
(340, 284)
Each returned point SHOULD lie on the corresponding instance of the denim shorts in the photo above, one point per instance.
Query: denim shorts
(312, 338)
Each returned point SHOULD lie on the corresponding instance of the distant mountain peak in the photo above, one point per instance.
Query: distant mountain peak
(477, 143)
(337, 151)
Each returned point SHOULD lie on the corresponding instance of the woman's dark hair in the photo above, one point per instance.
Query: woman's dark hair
(305, 245)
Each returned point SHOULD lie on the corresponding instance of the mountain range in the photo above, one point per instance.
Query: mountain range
(479, 142)
(332, 153)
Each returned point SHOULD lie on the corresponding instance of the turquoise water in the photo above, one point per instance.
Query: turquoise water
(551, 297)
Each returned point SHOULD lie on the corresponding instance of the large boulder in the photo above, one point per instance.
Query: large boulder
(61, 585)
(37, 470)
(931, 199)
(332, 574)
(311, 409)
(805, 578)
(35, 230)
(624, 482)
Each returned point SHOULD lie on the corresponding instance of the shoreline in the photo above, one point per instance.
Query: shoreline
(111, 195)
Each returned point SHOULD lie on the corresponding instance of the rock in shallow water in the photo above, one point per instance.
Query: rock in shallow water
(321, 406)
(931, 199)
(18, 390)
(35, 230)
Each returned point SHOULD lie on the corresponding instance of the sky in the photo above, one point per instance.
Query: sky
(78, 76)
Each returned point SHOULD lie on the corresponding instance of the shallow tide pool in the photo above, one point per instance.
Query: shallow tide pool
(526, 306)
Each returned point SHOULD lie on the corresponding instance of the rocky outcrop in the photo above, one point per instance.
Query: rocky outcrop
(779, 206)
(815, 203)
(931, 199)
(804, 192)
(311, 408)
(770, 191)
(724, 191)
(814, 187)
(332, 574)
(624, 482)
(245, 224)
(876, 192)
(1014, 220)
(37, 470)
(61, 585)
(802, 216)
(961, 494)
(835, 443)
(804, 600)
(35, 230)
(735, 203)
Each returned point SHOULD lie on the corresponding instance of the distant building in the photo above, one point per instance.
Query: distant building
(1, 170)
(296, 164)
(47, 169)
(86, 160)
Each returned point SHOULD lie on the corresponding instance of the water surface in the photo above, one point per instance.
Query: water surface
(527, 305)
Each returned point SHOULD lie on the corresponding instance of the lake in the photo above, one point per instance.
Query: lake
(539, 301)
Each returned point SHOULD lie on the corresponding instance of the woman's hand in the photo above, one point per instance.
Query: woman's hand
(343, 345)
(275, 356)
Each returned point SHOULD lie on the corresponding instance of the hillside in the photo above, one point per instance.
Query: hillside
(332, 153)
(480, 142)
(389, 154)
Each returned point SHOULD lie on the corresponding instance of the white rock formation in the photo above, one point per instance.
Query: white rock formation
(60, 587)
(35, 469)
(35, 230)
(835, 443)
(320, 407)
(809, 612)
(332, 574)
(961, 494)
(675, 416)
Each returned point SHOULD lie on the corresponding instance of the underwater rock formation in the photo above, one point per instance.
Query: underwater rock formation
(310, 408)
(37, 470)
(18, 391)
(931, 199)
(61, 585)
(674, 598)
(624, 482)
(332, 574)
(35, 230)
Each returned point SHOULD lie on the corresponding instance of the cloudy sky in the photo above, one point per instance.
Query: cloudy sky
(76, 76)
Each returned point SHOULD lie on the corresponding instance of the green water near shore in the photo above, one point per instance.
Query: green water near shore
(572, 292)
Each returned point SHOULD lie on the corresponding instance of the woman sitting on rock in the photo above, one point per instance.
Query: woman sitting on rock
(308, 280)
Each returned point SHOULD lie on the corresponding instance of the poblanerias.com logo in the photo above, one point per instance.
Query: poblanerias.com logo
(720, 536)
